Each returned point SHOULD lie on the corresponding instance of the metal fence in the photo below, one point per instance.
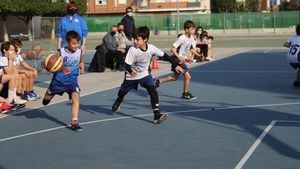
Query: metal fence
(282, 19)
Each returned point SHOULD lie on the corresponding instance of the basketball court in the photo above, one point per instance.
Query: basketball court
(246, 116)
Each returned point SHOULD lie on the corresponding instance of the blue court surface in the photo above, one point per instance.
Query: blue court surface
(246, 116)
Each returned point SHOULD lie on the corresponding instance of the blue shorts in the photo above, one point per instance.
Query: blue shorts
(295, 65)
(133, 84)
(60, 89)
(181, 64)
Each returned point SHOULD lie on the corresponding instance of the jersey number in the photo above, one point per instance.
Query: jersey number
(293, 49)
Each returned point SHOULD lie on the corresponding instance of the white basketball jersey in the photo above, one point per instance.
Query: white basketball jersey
(293, 53)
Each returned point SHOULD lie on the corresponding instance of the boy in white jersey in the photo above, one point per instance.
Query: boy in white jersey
(28, 75)
(293, 54)
(137, 63)
(185, 43)
(67, 79)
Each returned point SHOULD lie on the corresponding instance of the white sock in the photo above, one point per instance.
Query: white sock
(15, 92)
(11, 94)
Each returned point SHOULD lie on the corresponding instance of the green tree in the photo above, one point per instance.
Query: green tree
(26, 9)
(252, 5)
(288, 6)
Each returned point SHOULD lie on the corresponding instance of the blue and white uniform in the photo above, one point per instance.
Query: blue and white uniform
(66, 80)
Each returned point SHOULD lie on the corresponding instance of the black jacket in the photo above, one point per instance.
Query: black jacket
(129, 26)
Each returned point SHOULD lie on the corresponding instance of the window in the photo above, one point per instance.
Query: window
(120, 2)
(101, 2)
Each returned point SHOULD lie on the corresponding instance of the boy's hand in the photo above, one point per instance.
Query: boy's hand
(133, 73)
(81, 68)
(11, 55)
(35, 73)
(179, 69)
(182, 59)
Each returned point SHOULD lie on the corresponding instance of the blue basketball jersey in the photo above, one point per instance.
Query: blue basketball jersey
(70, 71)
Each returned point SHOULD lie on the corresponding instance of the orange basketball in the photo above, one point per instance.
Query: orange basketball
(54, 63)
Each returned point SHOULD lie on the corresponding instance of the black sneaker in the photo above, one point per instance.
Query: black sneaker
(156, 82)
(74, 125)
(296, 84)
(116, 107)
(187, 96)
(160, 118)
(191, 96)
(45, 102)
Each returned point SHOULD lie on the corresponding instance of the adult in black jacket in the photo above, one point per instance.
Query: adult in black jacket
(129, 23)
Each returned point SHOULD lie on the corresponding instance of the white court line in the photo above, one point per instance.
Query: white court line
(55, 102)
(258, 141)
(144, 115)
(254, 146)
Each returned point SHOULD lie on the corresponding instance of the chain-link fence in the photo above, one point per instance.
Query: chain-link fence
(283, 19)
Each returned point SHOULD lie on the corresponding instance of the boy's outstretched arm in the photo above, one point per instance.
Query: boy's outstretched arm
(287, 44)
(173, 50)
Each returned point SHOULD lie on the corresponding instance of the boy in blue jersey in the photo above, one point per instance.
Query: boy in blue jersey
(137, 63)
(66, 80)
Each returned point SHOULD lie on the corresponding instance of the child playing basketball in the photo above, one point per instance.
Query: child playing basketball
(137, 63)
(66, 80)
(185, 43)
(293, 54)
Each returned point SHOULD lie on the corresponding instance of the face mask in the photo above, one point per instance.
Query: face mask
(19, 51)
(199, 32)
(129, 13)
(113, 33)
(71, 11)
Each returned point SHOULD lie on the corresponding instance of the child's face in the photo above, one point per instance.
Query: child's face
(11, 52)
(139, 42)
(190, 31)
(73, 45)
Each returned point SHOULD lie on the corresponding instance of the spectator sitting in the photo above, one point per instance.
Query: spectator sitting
(114, 55)
(8, 51)
(29, 75)
(121, 38)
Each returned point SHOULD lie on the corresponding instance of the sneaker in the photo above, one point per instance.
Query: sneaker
(46, 102)
(18, 100)
(74, 125)
(160, 118)
(31, 97)
(187, 96)
(156, 82)
(116, 106)
(32, 93)
(4, 108)
(296, 84)
(191, 96)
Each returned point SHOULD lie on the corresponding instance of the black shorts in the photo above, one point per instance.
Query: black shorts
(295, 65)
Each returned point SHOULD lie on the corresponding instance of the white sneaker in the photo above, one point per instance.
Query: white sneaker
(18, 100)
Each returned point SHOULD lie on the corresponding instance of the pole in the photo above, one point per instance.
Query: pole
(177, 5)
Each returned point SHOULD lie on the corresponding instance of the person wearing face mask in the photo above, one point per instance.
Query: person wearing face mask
(75, 22)
(129, 24)
(121, 38)
(113, 54)
(28, 75)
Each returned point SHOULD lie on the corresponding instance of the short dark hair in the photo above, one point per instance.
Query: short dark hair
(189, 24)
(298, 29)
(142, 32)
(119, 24)
(72, 35)
(16, 42)
(5, 46)
(129, 8)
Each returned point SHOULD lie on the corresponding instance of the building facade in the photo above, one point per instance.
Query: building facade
(102, 7)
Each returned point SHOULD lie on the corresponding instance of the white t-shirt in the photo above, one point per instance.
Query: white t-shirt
(3, 64)
(140, 60)
(292, 54)
(185, 44)
(18, 60)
